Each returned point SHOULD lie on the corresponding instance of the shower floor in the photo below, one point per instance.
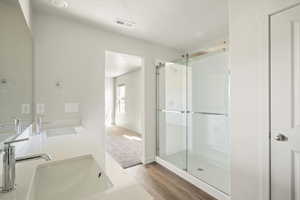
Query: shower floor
(202, 168)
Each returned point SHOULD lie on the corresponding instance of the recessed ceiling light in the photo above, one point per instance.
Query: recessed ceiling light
(126, 23)
(59, 3)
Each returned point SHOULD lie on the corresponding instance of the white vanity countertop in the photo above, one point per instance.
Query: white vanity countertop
(69, 146)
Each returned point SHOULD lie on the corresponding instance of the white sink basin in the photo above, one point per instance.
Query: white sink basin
(72, 179)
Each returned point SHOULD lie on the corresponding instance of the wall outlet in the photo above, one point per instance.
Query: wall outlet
(40, 108)
(25, 109)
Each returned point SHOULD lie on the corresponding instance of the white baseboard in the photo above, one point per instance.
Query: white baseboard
(149, 160)
(197, 182)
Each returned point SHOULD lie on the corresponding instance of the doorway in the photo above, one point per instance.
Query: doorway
(124, 116)
(285, 104)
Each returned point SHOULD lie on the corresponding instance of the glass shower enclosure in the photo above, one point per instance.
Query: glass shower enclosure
(192, 116)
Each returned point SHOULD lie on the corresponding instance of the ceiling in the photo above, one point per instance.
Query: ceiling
(117, 64)
(180, 24)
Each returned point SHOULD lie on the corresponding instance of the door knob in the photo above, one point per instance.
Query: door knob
(281, 138)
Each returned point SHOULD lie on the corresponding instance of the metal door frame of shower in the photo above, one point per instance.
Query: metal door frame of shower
(221, 47)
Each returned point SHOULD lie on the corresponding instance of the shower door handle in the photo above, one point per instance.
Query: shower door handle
(172, 111)
(209, 113)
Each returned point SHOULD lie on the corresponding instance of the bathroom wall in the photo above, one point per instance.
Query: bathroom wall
(15, 65)
(248, 61)
(133, 116)
(73, 53)
(109, 101)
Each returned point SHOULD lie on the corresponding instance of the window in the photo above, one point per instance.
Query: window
(121, 102)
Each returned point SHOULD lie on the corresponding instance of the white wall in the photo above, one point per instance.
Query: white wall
(15, 64)
(58, 58)
(132, 119)
(75, 54)
(109, 101)
(248, 22)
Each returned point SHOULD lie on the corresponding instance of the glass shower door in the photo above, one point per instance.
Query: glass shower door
(208, 124)
(171, 97)
(192, 117)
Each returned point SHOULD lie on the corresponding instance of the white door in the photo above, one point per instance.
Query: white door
(285, 105)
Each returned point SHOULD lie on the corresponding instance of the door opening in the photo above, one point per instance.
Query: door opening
(124, 113)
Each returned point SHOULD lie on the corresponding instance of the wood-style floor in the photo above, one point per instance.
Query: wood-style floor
(162, 184)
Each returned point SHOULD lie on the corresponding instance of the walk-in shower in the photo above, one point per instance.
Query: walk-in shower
(192, 116)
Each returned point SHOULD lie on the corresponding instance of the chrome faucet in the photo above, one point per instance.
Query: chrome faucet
(9, 164)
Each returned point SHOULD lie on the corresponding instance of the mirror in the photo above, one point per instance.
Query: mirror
(15, 71)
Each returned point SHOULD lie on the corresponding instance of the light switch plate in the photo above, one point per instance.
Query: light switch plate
(25, 109)
(71, 107)
(40, 108)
